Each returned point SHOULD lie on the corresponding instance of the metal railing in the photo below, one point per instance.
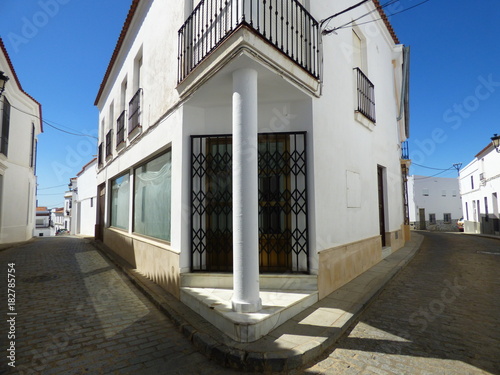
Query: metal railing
(286, 24)
(109, 137)
(365, 95)
(405, 152)
(134, 111)
(120, 129)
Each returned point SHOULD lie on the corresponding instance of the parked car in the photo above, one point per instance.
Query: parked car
(460, 224)
(62, 231)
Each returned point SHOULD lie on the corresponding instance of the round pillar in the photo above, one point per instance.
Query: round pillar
(245, 193)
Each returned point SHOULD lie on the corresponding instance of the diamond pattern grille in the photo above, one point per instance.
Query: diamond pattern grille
(283, 225)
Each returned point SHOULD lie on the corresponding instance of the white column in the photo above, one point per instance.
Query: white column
(245, 193)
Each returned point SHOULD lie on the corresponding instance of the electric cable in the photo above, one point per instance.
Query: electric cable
(53, 126)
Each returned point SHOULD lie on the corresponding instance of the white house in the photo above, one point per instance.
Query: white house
(480, 188)
(68, 205)
(84, 187)
(435, 203)
(20, 125)
(57, 217)
(246, 146)
(43, 225)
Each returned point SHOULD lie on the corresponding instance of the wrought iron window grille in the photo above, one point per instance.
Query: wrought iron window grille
(283, 221)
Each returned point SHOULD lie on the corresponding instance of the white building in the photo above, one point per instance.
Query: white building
(480, 188)
(43, 226)
(68, 205)
(435, 203)
(246, 144)
(20, 125)
(84, 200)
(57, 217)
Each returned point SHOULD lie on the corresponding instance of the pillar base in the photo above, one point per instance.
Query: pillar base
(246, 307)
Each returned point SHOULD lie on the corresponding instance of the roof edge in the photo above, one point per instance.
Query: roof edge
(119, 43)
(16, 78)
(383, 15)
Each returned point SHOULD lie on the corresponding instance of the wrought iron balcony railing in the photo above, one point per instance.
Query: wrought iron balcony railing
(405, 153)
(286, 24)
(366, 95)
(109, 136)
(134, 111)
(120, 129)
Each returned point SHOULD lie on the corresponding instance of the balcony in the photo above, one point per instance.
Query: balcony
(405, 152)
(109, 136)
(365, 95)
(120, 129)
(134, 110)
(284, 24)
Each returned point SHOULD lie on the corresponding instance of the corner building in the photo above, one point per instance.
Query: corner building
(244, 147)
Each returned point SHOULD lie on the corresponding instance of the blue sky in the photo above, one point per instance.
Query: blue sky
(60, 50)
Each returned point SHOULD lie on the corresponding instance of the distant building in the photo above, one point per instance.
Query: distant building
(434, 203)
(57, 217)
(20, 125)
(68, 205)
(480, 188)
(84, 200)
(43, 227)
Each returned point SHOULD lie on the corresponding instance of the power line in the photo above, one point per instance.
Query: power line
(437, 174)
(342, 12)
(326, 32)
(437, 169)
(348, 24)
(52, 187)
(53, 126)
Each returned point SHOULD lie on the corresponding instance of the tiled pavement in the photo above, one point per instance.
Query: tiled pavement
(76, 314)
(440, 315)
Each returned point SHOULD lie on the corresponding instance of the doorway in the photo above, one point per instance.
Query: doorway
(101, 204)
(421, 214)
(381, 203)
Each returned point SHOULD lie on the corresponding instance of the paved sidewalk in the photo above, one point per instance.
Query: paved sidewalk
(78, 314)
(298, 341)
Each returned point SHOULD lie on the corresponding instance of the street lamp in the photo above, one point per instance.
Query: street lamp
(3, 81)
(496, 142)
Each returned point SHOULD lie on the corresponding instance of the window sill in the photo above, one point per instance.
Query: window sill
(135, 131)
(363, 120)
(120, 146)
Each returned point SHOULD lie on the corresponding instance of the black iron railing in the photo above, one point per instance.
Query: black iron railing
(120, 129)
(134, 111)
(109, 137)
(283, 220)
(284, 23)
(365, 95)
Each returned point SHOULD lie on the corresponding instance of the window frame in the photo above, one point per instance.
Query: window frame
(133, 192)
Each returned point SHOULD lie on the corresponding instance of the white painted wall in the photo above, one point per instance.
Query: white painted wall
(480, 183)
(18, 182)
(86, 200)
(339, 143)
(437, 195)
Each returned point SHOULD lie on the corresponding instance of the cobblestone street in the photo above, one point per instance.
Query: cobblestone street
(76, 314)
(440, 315)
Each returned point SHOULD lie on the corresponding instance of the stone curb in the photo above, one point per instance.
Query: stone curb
(223, 350)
